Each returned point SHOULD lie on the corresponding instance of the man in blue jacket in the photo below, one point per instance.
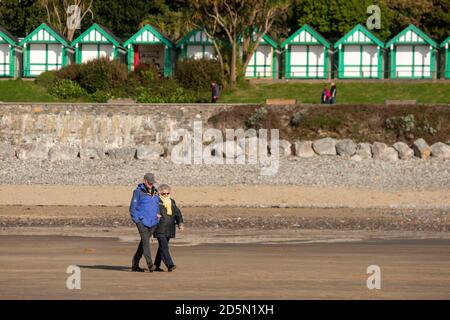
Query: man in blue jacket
(144, 210)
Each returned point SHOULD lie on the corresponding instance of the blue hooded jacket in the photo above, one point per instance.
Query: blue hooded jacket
(144, 206)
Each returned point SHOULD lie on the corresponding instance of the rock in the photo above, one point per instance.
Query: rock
(38, 151)
(6, 150)
(364, 150)
(304, 149)
(381, 151)
(404, 151)
(346, 148)
(421, 149)
(62, 153)
(92, 152)
(356, 158)
(152, 151)
(285, 148)
(440, 150)
(325, 147)
(125, 153)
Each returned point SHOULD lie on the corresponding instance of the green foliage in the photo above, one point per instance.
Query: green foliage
(166, 91)
(197, 74)
(257, 119)
(146, 72)
(21, 17)
(46, 79)
(66, 89)
(71, 72)
(325, 122)
(102, 74)
(101, 96)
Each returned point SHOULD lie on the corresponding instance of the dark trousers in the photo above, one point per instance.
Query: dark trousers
(163, 253)
(144, 245)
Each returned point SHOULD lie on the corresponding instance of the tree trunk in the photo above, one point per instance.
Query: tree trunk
(233, 71)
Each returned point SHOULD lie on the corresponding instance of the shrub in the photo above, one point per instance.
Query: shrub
(197, 74)
(71, 72)
(166, 91)
(257, 119)
(46, 79)
(101, 96)
(66, 89)
(146, 72)
(102, 74)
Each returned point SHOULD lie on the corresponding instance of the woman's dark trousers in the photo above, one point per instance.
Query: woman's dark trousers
(163, 253)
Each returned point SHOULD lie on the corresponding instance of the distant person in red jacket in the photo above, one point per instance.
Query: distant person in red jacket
(326, 95)
(333, 93)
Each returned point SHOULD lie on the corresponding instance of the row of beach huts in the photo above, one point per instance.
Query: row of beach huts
(306, 54)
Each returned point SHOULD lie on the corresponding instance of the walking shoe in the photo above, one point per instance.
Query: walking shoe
(137, 269)
(171, 268)
(151, 268)
(158, 269)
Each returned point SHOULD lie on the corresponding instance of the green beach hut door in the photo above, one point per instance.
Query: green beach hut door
(445, 45)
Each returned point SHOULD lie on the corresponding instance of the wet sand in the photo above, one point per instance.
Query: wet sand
(33, 267)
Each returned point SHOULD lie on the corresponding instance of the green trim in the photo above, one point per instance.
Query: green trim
(413, 28)
(363, 30)
(274, 65)
(7, 39)
(446, 41)
(314, 33)
(100, 30)
(325, 67)
(150, 29)
(12, 71)
(130, 57)
(45, 27)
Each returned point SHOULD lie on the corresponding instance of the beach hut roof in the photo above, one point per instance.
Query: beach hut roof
(5, 35)
(412, 35)
(55, 36)
(311, 37)
(446, 41)
(196, 36)
(148, 35)
(105, 32)
(364, 37)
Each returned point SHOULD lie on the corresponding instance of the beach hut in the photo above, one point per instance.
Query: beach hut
(412, 55)
(263, 63)
(45, 49)
(360, 55)
(10, 55)
(149, 46)
(97, 42)
(306, 54)
(445, 46)
(196, 45)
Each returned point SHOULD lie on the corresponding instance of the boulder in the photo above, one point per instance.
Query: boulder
(221, 149)
(304, 149)
(356, 158)
(62, 153)
(364, 150)
(346, 148)
(36, 151)
(421, 149)
(126, 153)
(381, 151)
(6, 151)
(92, 152)
(440, 150)
(404, 151)
(152, 151)
(285, 148)
(325, 147)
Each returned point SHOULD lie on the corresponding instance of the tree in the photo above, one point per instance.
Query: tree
(438, 21)
(334, 18)
(20, 17)
(58, 16)
(230, 23)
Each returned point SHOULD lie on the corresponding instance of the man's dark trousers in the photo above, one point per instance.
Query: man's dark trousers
(163, 253)
(144, 245)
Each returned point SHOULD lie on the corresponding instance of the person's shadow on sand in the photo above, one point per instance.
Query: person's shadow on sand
(110, 268)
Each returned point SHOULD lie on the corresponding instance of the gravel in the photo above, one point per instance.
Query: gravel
(332, 171)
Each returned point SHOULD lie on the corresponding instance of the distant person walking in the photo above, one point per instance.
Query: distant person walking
(333, 93)
(144, 211)
(326, 94)
(170, 217)
(215, 92)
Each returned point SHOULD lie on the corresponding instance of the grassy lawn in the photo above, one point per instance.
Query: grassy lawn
(23, 91)
(349, 92)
